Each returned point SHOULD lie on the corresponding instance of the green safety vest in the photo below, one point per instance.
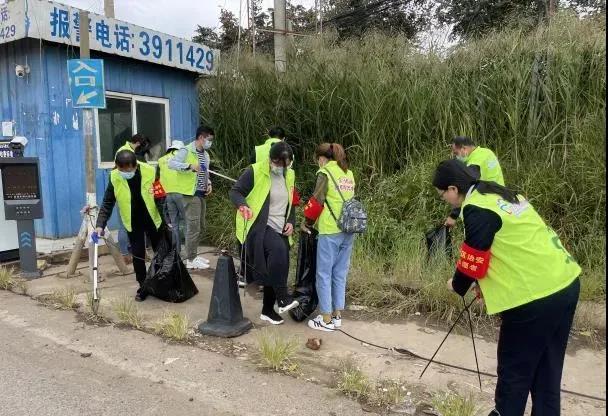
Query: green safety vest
(123, 195)
(185, 180)
(528, 261)
(326, 224)
(168, 177)
(488, 165)
(259, 194)
(126, 146)
(263, 151)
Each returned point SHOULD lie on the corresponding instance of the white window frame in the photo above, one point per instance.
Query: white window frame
(134, 99)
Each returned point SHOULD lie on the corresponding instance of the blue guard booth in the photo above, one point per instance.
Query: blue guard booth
(150, 88)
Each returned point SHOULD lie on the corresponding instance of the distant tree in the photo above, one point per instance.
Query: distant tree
(207, 36)
(355, 17)
(475, 18)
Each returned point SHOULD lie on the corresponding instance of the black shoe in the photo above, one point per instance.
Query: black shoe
(272, 317)
(141, 295)
(287, 304)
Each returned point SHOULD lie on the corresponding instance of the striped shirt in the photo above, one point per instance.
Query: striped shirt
(202, 175)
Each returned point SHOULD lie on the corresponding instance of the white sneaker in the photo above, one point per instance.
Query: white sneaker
(336, 321)
(275, 320)
(196, 264)
(318, 324)
(202, 259)
(199, 263)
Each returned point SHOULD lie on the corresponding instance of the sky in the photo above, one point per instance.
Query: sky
(174, 17)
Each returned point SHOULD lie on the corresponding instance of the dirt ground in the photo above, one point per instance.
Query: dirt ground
(584, 372)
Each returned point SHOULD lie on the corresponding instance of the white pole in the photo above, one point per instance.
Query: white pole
(222, 176)
(280, 58)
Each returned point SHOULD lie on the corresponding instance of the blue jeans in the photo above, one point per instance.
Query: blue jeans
(333, 263)
(176, 213)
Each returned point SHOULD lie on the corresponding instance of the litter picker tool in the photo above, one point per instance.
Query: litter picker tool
(464, 304)
(95, 242)
(466, 308)
(222, 176)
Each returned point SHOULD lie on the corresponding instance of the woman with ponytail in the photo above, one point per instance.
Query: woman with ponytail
(519, 266)
(335, 184)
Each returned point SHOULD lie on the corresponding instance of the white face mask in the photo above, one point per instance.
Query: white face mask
(208, 143)
(126, 175)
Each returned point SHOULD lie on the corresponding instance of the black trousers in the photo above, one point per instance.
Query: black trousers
(137, 239)
(276, 254)
(531, 349)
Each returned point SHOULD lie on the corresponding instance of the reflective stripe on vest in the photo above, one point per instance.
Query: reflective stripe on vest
(263, 151)
(259, 194)
(326, 224)
(528, 261)
(185, 180)
(488, 165)
(168, 177)
(122, 192)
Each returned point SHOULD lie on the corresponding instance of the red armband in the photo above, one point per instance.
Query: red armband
(473, 263)
(159, 191)
(295, 198)
(313, 209)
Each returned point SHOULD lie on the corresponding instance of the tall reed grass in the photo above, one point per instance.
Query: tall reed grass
(537, 98)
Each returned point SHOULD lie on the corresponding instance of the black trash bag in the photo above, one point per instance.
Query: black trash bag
(167, 278)
(439, 241)
(305, 289)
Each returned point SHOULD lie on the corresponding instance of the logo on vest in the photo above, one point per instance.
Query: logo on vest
(346, 185)
(513, 209)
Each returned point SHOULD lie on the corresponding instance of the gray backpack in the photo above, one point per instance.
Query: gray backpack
(353, 218)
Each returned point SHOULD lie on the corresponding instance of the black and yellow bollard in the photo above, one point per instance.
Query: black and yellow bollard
(225, 318)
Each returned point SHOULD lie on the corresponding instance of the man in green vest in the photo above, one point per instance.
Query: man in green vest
(131, 188)
(275, 135)
(191, 165)
(480, 160)
(174, 203)
(140, 145)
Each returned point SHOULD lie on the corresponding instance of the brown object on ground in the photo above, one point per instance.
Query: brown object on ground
(128, 259)
(314, 343)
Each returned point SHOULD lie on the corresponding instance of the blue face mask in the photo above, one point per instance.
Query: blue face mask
(126, 175)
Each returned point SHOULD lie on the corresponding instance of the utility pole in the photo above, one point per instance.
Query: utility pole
(238, 44)
(552, 8)
(90, 215)
(280, 57)
(108, 8)
(321, 15)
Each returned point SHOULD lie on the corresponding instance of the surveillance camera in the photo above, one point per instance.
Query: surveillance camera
(21, 70)
(19, 141)
(17, 145)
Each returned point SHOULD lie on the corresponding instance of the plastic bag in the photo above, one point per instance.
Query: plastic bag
(439, 241)
(305, 289)
(167, 278)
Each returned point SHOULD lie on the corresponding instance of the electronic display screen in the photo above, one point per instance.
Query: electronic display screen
(20, 182)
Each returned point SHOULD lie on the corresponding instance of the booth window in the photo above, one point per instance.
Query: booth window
(126, 115)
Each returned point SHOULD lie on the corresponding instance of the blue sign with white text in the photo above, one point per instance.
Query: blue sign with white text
(86, 83)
